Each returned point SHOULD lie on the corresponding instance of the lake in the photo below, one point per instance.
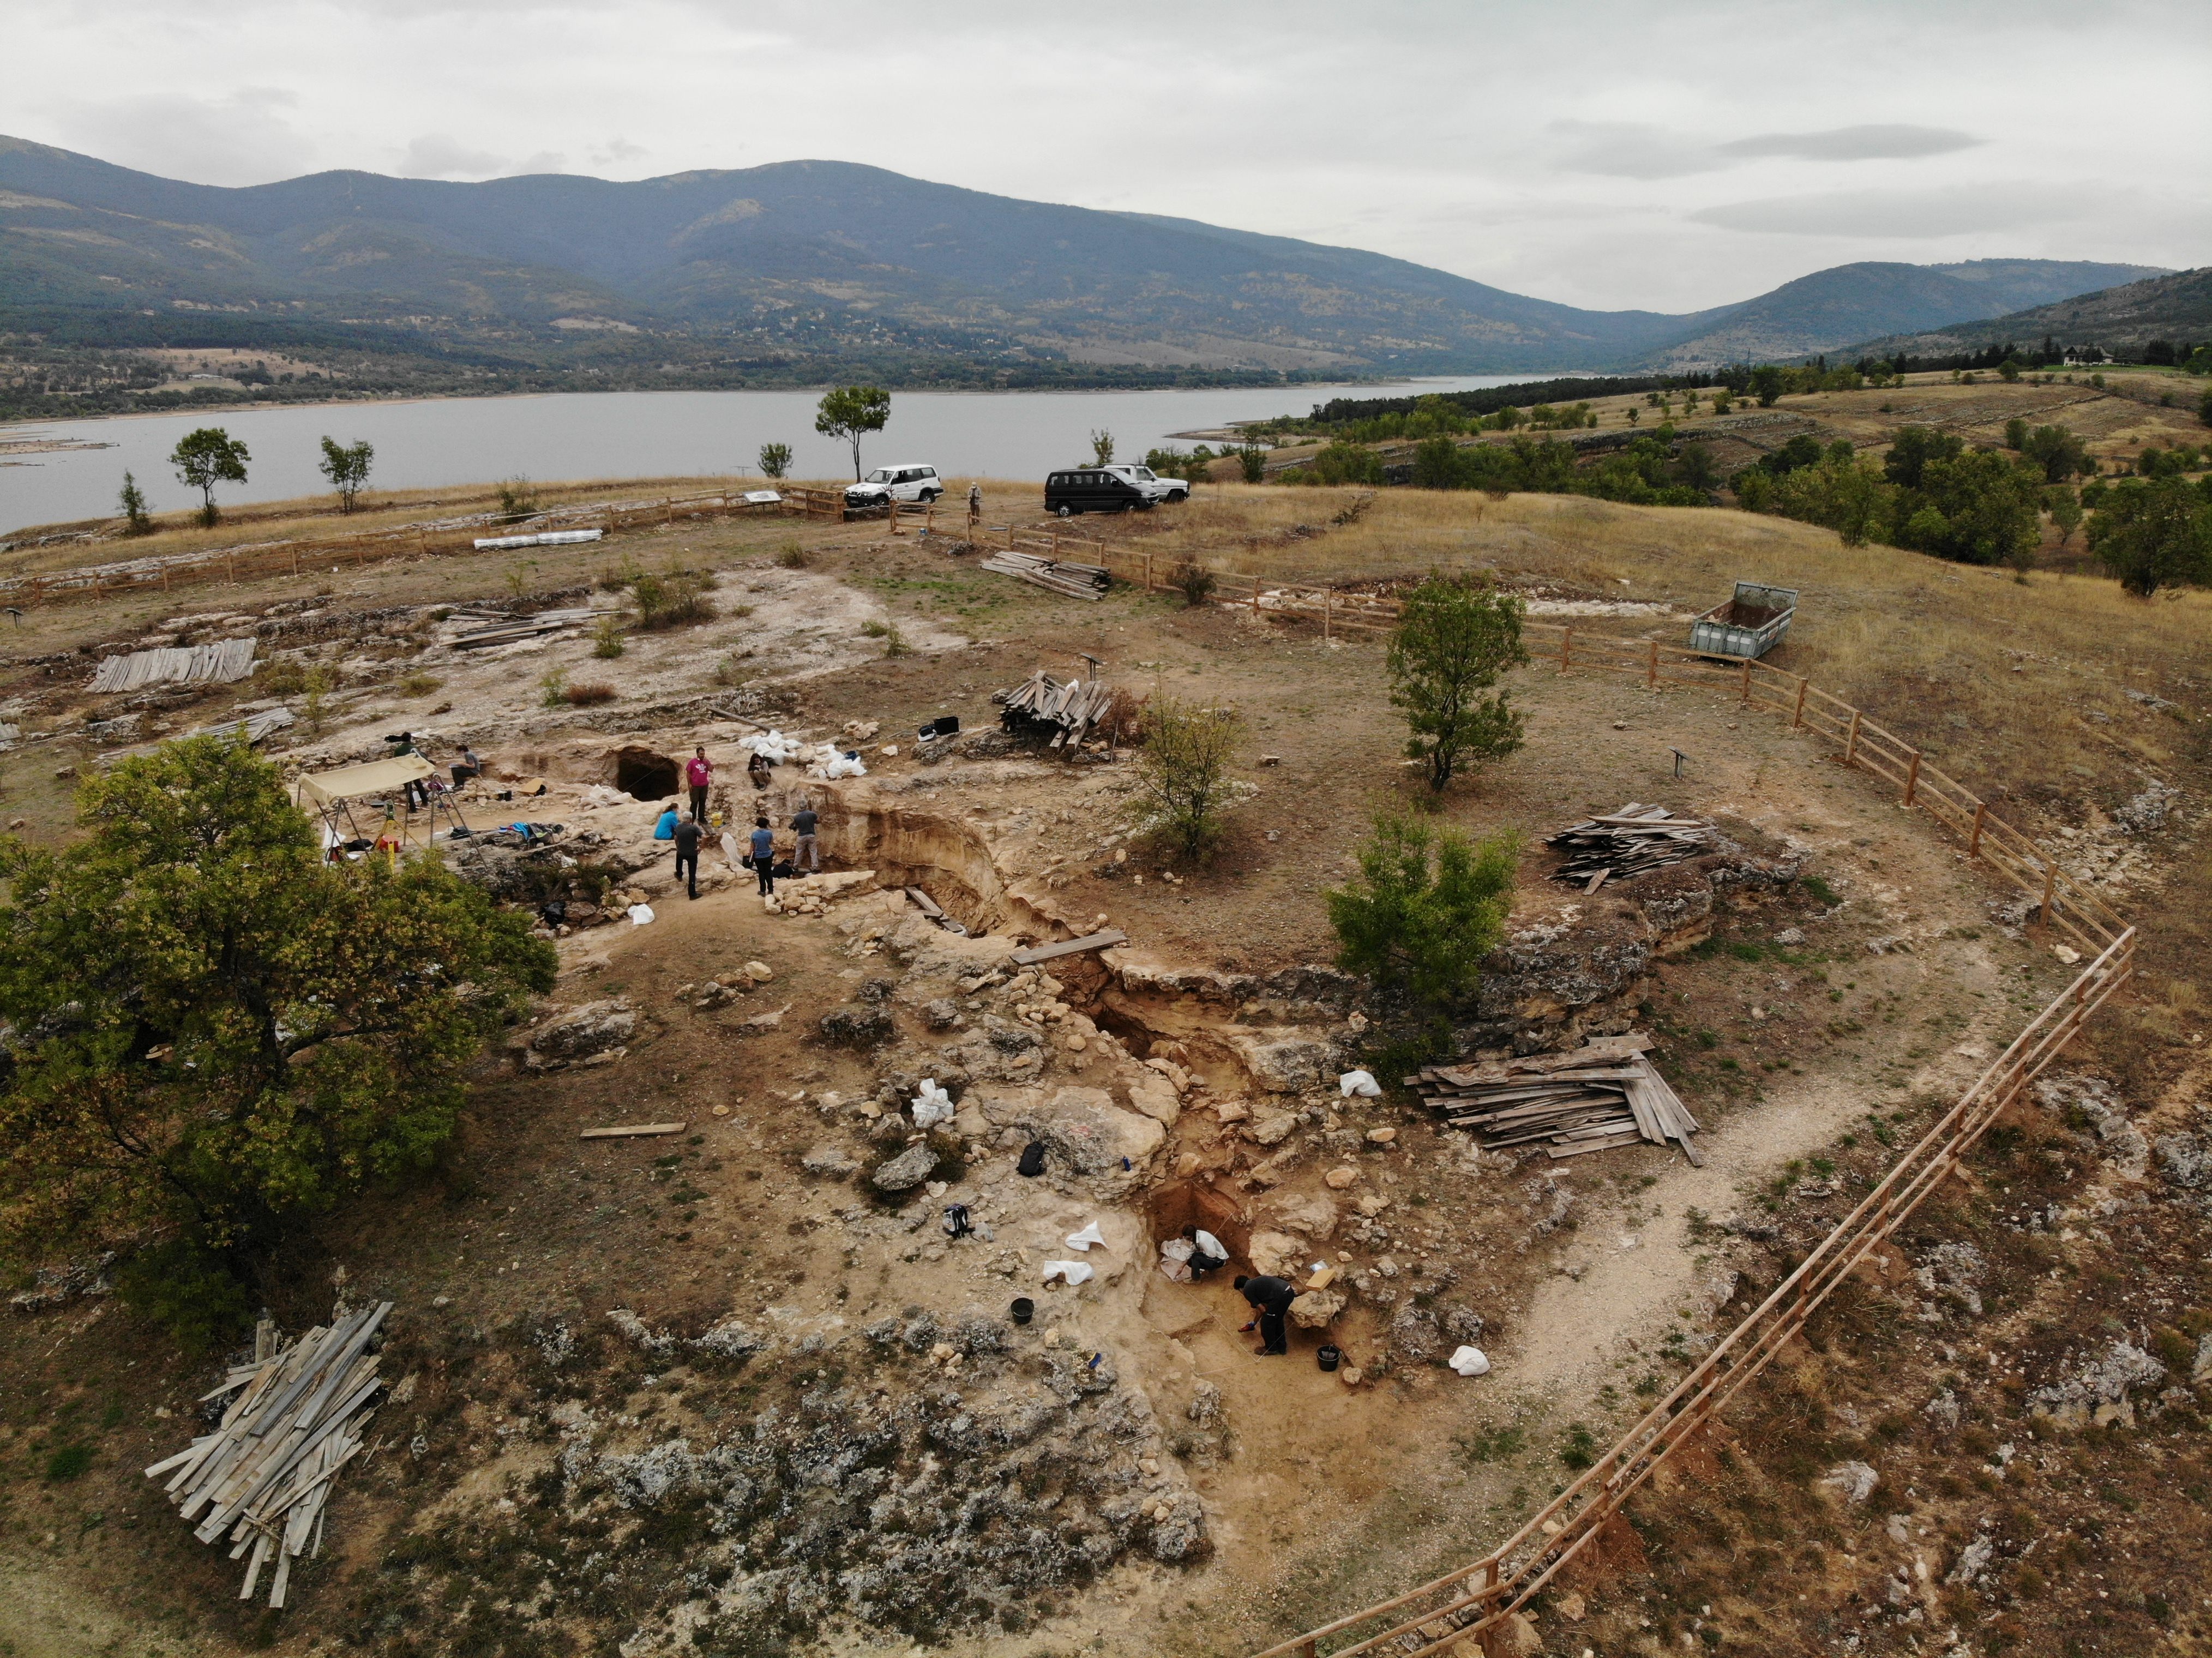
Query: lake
(424, 444)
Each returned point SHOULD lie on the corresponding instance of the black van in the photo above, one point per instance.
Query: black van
(1092, 489)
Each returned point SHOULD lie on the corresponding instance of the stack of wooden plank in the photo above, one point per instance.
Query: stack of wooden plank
(1604, 1093)
(475, 631)
(1627, 842)
(1060, 575)
(1042, 703)
(261, 1478)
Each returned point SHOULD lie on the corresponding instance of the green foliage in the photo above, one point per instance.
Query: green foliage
(1456, 635)
(1912, 447)
(1101, 448)
(2153, 535)
(2204, 403)
(205, 458)
(775, 460)
(68, 1463)
(676, 600)
(1184, 788)
(137, 521)
(1428, 904)
(2065, 509)
(1190, 467)
(1988, 505)
(1767, 383)
(849, 413)
(1194, 581)
(1846, 495)
(346, 466)
(1252, 462)
(792, 556)
(192, 1292)
(554, 687)
(607, 637)
(1577, 1447)
(1340, 463)
(2060, 453)
(218, 1032)
(518, 500)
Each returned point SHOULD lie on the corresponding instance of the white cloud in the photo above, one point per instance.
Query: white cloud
(1890, 141)
(1915, 215)
(441, 155)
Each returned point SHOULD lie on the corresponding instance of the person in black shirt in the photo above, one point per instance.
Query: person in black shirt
(688, 836)
(809, 852)
(1273, 1298)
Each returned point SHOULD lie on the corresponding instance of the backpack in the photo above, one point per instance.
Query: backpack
(956, 1221)
(1032, 1162)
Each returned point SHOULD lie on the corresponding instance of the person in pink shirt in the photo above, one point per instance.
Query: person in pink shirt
(698, 773)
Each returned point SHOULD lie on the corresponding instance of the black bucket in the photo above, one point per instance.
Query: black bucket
(1023, 1309)
(1329, 1359)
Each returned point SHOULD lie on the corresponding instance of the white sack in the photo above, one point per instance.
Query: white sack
(1470, 1361)
(1073, 1271)
(640, 914)
(932, 1105)
(1361, 1083)
(1089, 1236)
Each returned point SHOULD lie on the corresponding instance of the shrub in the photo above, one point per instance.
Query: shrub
(283, 675)
(69, 1462)
(677, 599)
(1194, 581)
(1455, 637)
(188, 1290)
(555, 685)
(1427, 905)
(775, 460)
(728, 673)
(419, 683)
(607, 637)
(792, 556)
(1253, 461)
(589, 696)
(1184, 788)
(518, 500)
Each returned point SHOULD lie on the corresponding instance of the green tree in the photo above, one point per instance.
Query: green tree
(205, 458)
(1428, 904)
(1456, 635)
(775, 460)
(849, 413)
(217, 1031)
(2204, 403)
(1435, 464)
(1101, 448)
(1912, 447)
(1252, 461)
(346, 465)
(1184, 788)
(2061, 453)
(1768, 383)
(2016, 435)
(1696, 469)
(1848, 496)
(2065, 509)
(137, 521)
(2153, 535)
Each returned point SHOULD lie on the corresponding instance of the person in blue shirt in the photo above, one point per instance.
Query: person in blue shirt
(763, 849)
(666, 829)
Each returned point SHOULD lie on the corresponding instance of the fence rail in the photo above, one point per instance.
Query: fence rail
(1476, 1599)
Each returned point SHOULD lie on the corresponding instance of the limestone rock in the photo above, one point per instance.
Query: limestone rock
(1273, 1130)
(1281, 1063)
(1382, 1136)
(582, 1031)
(1517, 1638)
(1852, 1481)
(1156, 1097)
(829, 1163)
(1315, 1308)
(941, 1014)
(1086, 1136)
(1231, 1111)
(907, 1171)
(1309, 1214)
(1414, 1335)
(759, 972)
(1274, 1255)
(2097, 1389)
(1339, 1178)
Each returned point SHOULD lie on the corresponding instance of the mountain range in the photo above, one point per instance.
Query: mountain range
(810, 263)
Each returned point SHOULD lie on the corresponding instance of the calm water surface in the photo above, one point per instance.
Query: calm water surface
(1011, 434)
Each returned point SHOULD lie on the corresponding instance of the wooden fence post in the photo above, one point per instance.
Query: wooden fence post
(1148, 570)
(2049, 891)
(1912, 778)
(1327, 594)
(1851, 746)
(1747, 682)
(1255, 598)
(1652, 669)
(1974, 840)
(1797, 717)
(1566, 648)
(231, 559)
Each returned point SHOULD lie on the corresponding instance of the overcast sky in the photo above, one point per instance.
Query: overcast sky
(1608, 155)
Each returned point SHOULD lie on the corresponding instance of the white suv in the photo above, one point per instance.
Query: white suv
(909, 482)
(1157, 488)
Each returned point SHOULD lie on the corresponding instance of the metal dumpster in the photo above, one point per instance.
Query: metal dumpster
(1750, 624)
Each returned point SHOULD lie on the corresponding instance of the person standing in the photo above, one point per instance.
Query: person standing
(1206, 1253)
(688, 836)
(975, 507)
(808, 854)
(763, 845)
(1273, 1298)
(698, 773)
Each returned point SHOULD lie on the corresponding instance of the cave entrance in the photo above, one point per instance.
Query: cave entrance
(643, 774)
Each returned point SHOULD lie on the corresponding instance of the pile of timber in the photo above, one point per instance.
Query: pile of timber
(221, 663)
(1060, 575)
(469, 631)
(1041, 704)
(263, 1476)
(1627, 842)
(1604, 1093)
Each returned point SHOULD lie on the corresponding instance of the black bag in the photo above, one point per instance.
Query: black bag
(1032, 1162)
(956, 1221)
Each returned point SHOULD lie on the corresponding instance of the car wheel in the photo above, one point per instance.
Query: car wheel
(931, 495)
(1066, 511)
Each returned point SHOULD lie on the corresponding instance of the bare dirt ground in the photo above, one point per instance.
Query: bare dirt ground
(1287, 1497)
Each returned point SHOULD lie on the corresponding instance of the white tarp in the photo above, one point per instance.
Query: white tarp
(543, 538)
(221, 663)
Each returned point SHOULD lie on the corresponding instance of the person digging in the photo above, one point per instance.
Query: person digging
(1207, 1252)
(1272, 1297)
(689, 834)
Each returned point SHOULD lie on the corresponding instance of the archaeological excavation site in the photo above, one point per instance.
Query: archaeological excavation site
(1785, 1235)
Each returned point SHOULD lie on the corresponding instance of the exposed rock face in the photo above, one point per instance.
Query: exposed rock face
(594, 1027)
(1086, 1136)
(1852, 1481)
(2096, 1390)
(829, 1163)
(1273, 1254)
(2079, 1098)
(1309, 1214)
(1284, 1064)
(907, 1171)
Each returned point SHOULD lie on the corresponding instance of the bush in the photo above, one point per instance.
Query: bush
(792, 556)
(68, 1463)
(2153, 535)
(419, 683)
(607, 638)
(1456, 635)
(518, 500)
(1427, 905)
(677, 599)
(1194, 581)
(1182, 773)
(190, 1291)
(1253, 461)
(590, 696)
(775, 460)
(555, 685)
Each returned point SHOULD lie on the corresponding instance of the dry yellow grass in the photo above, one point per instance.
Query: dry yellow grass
(2002, 682)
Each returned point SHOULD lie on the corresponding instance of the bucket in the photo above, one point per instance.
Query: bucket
(1329, 1357)
(1023, 1309)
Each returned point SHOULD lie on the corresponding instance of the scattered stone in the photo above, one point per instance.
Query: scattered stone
(1273, 1130)
(1338, 1179)
(1852, 1481)
(729, 1339)
(941, 1013)
(1414, 1337)
(2097, 1390)
(1315, 1309)
(1350, 1375)
(582, 1031)
(1382, 1136)
(857, 1024)
(907, 1171)
(1790, 937)
(829, 1163)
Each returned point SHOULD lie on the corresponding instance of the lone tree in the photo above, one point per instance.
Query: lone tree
(849, 413)
(1102, 447)
(346, 465)
(1428, 904)
(206, 458)
(2153, 535)
(1455, 636)
(1182, 773)
(775, 460)
(217, 1030)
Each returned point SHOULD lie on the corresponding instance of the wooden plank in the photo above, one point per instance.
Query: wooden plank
(1037, 953)
(1582, 1146)
(633, 1131)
